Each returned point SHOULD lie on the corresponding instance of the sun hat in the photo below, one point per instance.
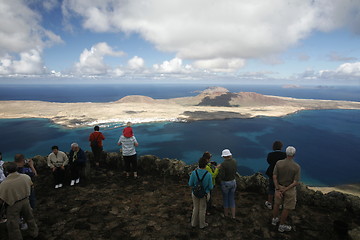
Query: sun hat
(226, 153)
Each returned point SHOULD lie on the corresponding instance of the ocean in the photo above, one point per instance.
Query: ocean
(327, 141)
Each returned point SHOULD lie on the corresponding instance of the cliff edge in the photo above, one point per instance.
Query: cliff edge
(158, 205)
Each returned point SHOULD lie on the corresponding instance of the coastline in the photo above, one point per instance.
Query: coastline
(352, 189)
(214, 104)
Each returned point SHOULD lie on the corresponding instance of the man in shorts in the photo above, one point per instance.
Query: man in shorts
(286, 176)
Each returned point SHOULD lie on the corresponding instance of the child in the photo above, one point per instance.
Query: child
(128, 132)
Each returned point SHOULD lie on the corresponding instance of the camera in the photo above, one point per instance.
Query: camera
(214, 163)
(27, 161)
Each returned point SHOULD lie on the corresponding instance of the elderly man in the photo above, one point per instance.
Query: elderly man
(286, 176)
(15, 191)
(57, 160)
(77, 159)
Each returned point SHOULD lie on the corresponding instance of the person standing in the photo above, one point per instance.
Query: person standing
(26, 166)
(213, 169)
(77, 160)
(2, 171)
(286, 176)
(96, 144)
(227, 174)
(272, 159)
(199, 204)
(57, 160)
(129, 142)
(2, 178)
(15, 191)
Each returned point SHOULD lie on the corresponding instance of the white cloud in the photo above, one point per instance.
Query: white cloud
(349, 69)
(117, 72)
(207, 31)
(30, 62)
(220, 64)
(92, 61)
(175, 65)
(136, 63)
(22, 39)
(346, 71)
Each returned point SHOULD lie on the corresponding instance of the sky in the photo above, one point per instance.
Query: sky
(295, 42)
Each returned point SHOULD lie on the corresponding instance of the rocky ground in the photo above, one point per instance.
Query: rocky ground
(110, 206)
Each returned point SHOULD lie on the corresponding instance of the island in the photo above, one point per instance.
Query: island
(210, 104)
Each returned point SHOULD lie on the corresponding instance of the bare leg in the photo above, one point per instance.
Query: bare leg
(276, 211)
(284, 216)
(233, 212)
(226, 212)
(270, 198)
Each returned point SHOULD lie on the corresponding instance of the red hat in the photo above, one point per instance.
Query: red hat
(128, 132)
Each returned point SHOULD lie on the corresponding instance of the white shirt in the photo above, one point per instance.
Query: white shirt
(128, 147)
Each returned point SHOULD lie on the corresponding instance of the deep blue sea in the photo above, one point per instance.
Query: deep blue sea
(327, 141)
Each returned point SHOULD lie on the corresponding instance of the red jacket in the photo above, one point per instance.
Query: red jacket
(97, 136)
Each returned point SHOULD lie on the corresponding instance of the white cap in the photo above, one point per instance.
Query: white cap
(226, 153)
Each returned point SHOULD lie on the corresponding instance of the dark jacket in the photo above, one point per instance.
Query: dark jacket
(81, 157)
(272, 159)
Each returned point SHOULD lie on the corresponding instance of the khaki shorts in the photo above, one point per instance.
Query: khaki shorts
(288, 199)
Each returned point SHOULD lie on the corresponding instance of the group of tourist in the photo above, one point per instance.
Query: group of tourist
(283, 172)
(58, 160)
(17, 195)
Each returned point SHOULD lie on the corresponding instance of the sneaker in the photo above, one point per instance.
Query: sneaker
(23, 226)
(56, 186)
(3, 220)
(274, 221)
(284, 228)
(268, 205)
(77, 180)
(205, 225)
(72, 183)
(60, 185)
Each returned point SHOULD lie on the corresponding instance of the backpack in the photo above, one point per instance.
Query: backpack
(94, 143)
(199, 190)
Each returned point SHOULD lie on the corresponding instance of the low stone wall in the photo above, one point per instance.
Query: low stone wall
(150, 164)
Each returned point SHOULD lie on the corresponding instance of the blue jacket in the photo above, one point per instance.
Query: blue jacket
(207, 182)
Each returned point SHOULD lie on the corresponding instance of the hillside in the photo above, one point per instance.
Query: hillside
(158, 205)
(210, 104)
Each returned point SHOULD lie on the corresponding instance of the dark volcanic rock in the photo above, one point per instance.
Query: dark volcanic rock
(158, 205)
(218, 101)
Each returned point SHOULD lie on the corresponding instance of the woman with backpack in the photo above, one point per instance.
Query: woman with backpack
(201, 183)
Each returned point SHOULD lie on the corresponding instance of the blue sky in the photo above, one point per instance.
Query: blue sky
(296, 42)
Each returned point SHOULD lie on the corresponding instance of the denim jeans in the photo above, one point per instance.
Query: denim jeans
(228, 191)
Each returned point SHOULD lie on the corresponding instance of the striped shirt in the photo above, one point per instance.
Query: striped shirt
(128, 145)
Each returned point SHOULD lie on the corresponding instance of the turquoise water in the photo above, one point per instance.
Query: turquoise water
(326, 141)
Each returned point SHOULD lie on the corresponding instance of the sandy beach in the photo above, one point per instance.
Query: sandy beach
(353, 189)
(208, 105)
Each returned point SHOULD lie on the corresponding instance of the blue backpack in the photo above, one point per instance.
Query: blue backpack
(199, 190)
